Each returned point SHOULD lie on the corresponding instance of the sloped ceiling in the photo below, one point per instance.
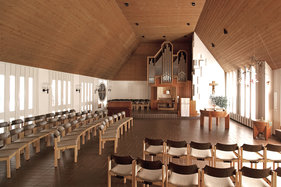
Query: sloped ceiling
(153, 19)
(254, 32)
(88, 37)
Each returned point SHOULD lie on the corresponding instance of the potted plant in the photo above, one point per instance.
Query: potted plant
(220, 101)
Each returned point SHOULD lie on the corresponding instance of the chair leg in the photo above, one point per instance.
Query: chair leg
(108, 179)
(8, 168)
(55, 158)
(75, 154)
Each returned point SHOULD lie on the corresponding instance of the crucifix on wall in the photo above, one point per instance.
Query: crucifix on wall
(213, 84)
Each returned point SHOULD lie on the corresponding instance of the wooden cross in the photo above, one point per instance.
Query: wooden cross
(213, 84)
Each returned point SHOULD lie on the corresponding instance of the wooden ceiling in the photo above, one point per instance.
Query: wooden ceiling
(89, 37)
(254, 30)
(96, 38)
(154, 19)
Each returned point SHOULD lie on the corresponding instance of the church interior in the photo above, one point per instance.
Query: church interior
(140, 93)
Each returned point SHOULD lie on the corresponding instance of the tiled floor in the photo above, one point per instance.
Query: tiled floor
(91, 168)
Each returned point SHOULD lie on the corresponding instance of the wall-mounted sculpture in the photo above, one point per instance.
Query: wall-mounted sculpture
(166, 65)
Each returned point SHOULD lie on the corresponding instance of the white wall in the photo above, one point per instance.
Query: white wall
(42, 100)
(207, 71)
(129, 90)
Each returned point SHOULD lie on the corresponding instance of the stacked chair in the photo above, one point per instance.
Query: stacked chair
(168, 173)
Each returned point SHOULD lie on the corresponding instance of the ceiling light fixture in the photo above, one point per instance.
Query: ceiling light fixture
(126, 4)
(137, 24)
(225, 31)
(164, 36)
(187, 24)
(193, 4)
(142, 36)
(213, 45)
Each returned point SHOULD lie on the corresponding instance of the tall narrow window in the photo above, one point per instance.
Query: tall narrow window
(12, 93)
(248, 96)
(69, 93)
(242, 93)
(21, 93)
(234, 92)
(53, 93)
(82, 92)
(88, 92)
(253, 92)
(91, 93)
(85, 91)
(64, 92)
(2, 92)
(59, 92)
(30, 93)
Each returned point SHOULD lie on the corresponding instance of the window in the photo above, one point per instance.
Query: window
(53, 93)
(64, 92)
(253, 92)
(59, 92)
(91, 92)
(247, 94)
(2, 93)
(69, 93)
(12, 93)
(21, 94)
(30, 93)
(82, 92)
(242, 93)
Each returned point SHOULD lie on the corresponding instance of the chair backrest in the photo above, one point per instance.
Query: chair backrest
(226, 147)
(151, 165)
(177, 144)
(252, 148)
(153, 141)
(182, 169)
(122, 159)
(219, 172)
(256, 173)
(201, 146)
(273, 147)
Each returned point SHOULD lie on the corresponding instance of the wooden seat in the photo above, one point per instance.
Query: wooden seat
(149, 172)
(255, 177)
(119, 166)
(153, 148)
(219, 176)
(176, 149)
(179, 175)
(227, 153)
(251, 153)
(201, 152)
(272, 154)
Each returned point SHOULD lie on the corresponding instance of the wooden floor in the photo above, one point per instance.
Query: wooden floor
(91, 168)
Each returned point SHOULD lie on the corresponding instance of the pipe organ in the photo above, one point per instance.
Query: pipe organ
(166, 65)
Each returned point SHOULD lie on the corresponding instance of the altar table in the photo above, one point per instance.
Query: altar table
(214, 113)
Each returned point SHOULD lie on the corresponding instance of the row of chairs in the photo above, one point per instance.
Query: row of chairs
(69, 135)
(227, 153)
(19, 134)
(112, 128)
(171, 174)
(137, 104)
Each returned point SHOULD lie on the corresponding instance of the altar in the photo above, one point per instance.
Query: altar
(214, 113)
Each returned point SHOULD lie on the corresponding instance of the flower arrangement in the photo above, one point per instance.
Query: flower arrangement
(220, 101)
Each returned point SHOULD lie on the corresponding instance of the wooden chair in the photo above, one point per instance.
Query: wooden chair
(272, 154)
(176, 149)
(148, 172)
(120, 167)
(255, 177)
(179, 175)
(251, 153)
(201, 152)
(227, 153)
(154, 147)
(223, 177)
